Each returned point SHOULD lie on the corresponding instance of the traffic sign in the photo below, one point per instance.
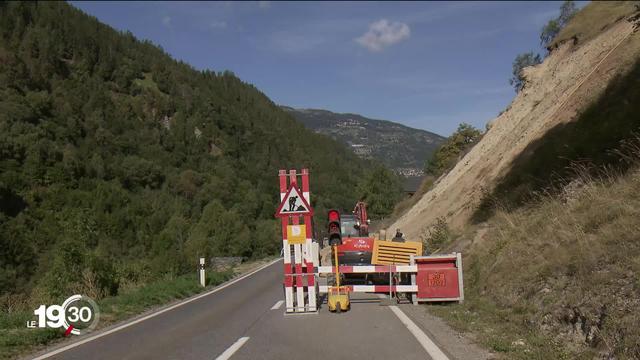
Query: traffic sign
(293, 203)
(296, 234)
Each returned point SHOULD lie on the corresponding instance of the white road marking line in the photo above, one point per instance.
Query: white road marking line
(432, 349)
(123, 326)
(277, 305)
(233, 348)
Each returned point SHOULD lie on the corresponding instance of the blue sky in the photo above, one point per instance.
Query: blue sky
(429, 65)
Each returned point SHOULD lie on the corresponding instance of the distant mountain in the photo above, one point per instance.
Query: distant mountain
(400, 147)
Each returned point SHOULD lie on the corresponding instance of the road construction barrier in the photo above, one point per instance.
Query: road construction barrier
(389, 252)
(433, 278)
(297, 237)
(439, 278)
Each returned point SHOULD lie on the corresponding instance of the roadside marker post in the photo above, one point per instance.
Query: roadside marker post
(201, 273)
(294, 206)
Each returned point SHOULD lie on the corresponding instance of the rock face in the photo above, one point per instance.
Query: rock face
(570, 78)
(399, 147)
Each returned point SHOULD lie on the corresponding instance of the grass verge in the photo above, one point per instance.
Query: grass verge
(16, 339)
(558, 279)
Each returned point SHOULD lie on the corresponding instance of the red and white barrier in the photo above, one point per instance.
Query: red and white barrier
(366, 269)
(303, 254)
(373, 288)
(433, 278)
(439, 278)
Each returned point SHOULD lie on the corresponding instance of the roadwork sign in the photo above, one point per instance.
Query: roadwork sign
(293, 203)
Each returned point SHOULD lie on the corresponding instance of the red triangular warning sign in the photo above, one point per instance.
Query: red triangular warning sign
(293, 203)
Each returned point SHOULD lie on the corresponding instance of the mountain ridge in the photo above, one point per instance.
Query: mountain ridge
(402, 148)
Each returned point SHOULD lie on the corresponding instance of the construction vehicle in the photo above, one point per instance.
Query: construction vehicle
(356, 247)
(338, 296)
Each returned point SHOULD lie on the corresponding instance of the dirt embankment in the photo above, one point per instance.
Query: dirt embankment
(572, 77)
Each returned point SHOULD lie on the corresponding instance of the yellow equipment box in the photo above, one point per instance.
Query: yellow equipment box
(389, 252)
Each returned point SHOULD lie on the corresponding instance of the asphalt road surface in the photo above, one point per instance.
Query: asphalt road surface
(245, 320)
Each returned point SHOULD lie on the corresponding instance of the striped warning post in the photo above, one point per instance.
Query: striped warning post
(308, 250)
(297, 254)
(288, 268)
(303, 267)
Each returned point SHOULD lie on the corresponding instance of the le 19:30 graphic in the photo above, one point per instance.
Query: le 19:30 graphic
(77, 315)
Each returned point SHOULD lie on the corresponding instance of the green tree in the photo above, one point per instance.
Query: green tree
(219, 232)
(552, 28)
(522, 61)
(549, 32)
(567, 11)
(456, 145)
(381, 189)
(267, 239)
(143, 161)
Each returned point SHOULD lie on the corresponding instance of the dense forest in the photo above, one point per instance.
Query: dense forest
(118, 163)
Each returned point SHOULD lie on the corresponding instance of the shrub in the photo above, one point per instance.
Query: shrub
(436, 235)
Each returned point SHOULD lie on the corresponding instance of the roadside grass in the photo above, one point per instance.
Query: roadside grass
(16, 339)
(500, 331)
(117, 308)
(558, 278)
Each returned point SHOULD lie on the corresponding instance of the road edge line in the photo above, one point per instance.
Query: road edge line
(154, 314)
(233, 348)
(432, 349)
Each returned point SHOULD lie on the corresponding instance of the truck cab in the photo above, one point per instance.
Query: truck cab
(356, 248)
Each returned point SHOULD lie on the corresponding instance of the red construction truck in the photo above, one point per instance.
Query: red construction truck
(357, 246)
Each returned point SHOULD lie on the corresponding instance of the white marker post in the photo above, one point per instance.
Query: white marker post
(202, 277)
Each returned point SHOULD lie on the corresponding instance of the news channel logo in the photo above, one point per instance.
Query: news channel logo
(77, 315)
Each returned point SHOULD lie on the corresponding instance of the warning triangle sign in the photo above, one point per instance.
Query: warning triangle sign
(293, 203)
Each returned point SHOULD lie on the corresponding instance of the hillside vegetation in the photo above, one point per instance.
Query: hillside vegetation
(559, 279)
(558, 93)
(120, 165)
(545, 206)
(598, 17)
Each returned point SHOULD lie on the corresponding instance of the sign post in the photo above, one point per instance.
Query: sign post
(294, 207)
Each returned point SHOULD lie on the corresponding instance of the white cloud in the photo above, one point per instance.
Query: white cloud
(166, 21)
(264, 4)
(216, 24)
(384, 33)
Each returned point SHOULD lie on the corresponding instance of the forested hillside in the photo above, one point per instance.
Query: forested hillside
(118, 162)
